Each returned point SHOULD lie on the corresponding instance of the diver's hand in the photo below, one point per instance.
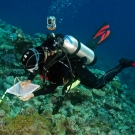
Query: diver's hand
(27, 97)
(25, 83)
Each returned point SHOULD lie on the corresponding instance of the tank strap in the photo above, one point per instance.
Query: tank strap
(78, 48)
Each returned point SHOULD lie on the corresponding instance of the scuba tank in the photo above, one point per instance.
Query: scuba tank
(74, 47)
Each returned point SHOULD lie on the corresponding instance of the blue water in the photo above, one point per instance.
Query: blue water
(80, 18)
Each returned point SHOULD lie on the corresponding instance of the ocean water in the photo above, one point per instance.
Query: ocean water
(81, 18)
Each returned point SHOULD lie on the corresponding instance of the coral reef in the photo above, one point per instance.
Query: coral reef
(98, 92)
(26, 125)
(13, 42)
(108, 111)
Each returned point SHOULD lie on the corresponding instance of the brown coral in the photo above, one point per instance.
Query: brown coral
(27, 125)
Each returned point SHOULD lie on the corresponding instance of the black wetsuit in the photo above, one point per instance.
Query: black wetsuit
(60, 70)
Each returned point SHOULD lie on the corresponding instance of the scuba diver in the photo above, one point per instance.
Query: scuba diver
(62, 60)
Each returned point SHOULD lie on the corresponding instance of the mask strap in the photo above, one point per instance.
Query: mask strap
(37, 57)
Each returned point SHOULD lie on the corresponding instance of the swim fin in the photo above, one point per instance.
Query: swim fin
(127, 62)
(99, 37)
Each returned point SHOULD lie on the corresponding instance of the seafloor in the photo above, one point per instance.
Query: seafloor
(108, 111)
